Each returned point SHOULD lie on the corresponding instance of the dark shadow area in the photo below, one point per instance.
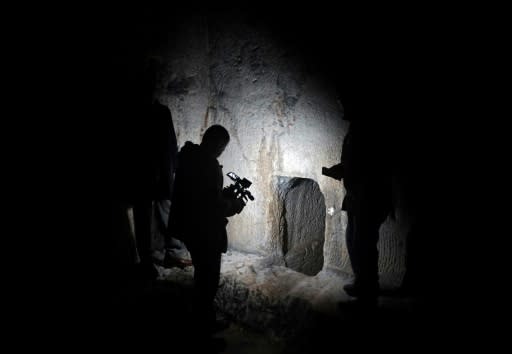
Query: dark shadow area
(158, 316)
(107, 302)
(388, 328)
(151, 315)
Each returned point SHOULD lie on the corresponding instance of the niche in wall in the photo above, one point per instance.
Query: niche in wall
(302, 223)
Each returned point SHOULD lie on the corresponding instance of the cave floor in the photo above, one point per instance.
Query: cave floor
(273, 309)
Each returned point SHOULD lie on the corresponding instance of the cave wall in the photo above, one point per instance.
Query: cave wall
(283, 116)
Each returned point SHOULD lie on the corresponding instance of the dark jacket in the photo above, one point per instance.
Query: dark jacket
(199, 210)
(366, 170)
(152, 151)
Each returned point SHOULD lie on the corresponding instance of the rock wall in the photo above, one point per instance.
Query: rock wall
(284, 121)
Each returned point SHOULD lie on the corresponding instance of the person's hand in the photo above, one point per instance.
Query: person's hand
(335, 172)
(238, 205)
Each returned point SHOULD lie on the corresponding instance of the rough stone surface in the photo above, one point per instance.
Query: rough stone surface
(304, 224)
(276, 299)
(284, 120)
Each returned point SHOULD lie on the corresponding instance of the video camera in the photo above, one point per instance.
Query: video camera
(238, 189)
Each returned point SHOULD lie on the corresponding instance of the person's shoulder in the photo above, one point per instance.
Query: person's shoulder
(189, 147)
(189, 155)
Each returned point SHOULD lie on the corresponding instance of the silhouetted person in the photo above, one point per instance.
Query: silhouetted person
(199, 212)
(154, 150)
(365, 171)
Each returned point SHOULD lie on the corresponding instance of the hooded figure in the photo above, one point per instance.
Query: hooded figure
(198, 216)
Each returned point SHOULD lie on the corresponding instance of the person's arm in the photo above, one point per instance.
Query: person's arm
(337, 171)
(229, 203)
(232, 205)
(218, 201)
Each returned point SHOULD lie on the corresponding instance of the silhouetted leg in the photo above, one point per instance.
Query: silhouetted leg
(206, 282)
(350, 237)
(362, 236)
(142, 216)
(368, 255)
(161, 213)
(176, 253)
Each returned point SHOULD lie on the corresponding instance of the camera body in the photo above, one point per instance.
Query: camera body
(238, 189)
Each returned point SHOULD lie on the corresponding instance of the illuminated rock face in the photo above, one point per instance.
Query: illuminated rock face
(302, 224)
(284, 120)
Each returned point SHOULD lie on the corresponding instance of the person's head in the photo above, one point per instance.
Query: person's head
(215, 139)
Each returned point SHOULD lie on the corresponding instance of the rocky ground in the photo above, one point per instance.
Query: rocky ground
(272, 309)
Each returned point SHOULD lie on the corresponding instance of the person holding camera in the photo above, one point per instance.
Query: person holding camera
(198, 217)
